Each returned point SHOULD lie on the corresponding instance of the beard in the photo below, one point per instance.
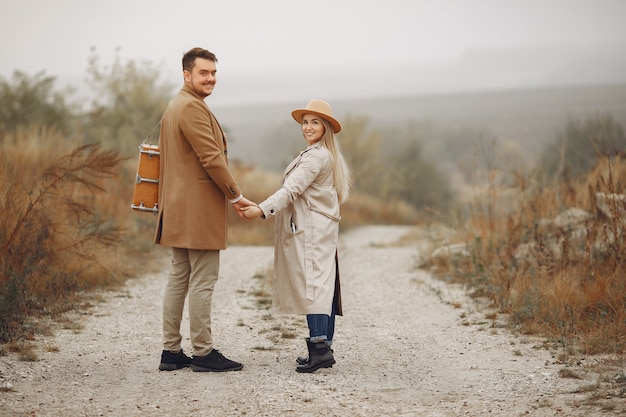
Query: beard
(203, 89)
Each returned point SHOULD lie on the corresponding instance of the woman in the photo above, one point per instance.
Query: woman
(306, 230)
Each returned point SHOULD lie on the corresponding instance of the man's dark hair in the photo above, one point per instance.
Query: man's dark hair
(190, 56)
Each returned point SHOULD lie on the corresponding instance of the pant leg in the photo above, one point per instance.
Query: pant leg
(174, 299)
(318, 327)
(202, 279)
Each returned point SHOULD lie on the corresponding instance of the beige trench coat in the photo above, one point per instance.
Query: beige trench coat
(195, 181)
(306, 232)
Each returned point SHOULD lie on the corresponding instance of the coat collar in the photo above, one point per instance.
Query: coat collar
(316, 145)
(296, 161)
(191, 91)
(187, 89)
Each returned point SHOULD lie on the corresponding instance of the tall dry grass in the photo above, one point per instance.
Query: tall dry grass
(571, 284)
(55, 238)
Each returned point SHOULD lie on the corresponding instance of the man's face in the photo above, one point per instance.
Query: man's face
(202, 77)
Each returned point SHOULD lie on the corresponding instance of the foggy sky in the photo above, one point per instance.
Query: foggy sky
(279, 49)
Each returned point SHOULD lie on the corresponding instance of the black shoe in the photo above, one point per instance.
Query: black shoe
(214, 362)
(320, 356)
(305, 360)
(172, 361)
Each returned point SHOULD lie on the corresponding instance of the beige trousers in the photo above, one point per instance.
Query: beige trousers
(194, 273)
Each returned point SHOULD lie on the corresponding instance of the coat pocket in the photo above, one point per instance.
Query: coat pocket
(330, 216)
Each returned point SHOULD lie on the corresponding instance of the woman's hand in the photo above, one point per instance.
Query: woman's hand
(252, 212)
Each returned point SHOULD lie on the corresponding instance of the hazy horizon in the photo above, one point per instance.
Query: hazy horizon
(477, 71)
(280, 50)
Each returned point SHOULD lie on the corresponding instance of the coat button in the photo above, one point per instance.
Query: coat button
(271, 211)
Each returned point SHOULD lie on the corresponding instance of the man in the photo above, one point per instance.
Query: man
(195, 188)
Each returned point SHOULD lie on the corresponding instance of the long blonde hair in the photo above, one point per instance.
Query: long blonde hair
(341, 171)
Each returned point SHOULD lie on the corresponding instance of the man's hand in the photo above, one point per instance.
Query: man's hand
(241, 204)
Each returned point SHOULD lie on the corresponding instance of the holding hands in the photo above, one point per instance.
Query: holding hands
(247, 209)
(252, 212)
(241, 205)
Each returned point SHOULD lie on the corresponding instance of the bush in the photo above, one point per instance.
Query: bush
(565, 283)
(130, 102)
(53, 240)
(32, 101)
(575, 151)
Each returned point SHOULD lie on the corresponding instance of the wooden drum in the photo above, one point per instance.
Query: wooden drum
(146, 195)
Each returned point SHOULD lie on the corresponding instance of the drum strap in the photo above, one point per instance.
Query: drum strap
(147, 139)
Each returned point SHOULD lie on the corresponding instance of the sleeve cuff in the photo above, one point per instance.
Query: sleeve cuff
(236, 199)
(267, 212)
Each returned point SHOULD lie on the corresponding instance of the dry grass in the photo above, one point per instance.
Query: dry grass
(56, 236)
(577, 298)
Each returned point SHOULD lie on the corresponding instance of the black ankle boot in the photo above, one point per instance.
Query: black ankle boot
(303, 360)
(320, 356)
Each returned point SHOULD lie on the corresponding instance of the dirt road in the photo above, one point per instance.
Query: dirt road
(408, 345)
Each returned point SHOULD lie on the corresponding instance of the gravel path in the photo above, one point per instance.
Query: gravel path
(408, 345)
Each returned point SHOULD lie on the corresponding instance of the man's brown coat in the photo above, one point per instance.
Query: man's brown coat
(195, 181)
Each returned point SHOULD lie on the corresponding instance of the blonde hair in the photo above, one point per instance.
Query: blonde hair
(341, 171)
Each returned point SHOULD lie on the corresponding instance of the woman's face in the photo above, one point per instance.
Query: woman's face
(312, 128)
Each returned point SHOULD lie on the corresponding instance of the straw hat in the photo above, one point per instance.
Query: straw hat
(320, 108)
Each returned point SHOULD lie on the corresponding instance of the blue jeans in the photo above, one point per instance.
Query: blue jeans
(321, 327)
